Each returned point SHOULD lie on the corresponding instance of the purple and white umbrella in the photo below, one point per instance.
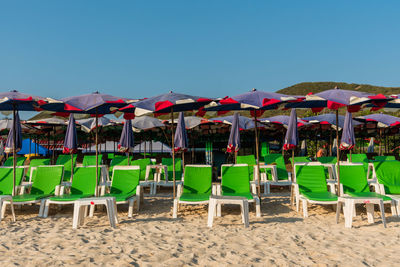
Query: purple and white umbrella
(15, 134)
(234, 137)
(71, 142)
(283, 120)
(181, 139)
(348, 140)
(126, 143)
(383, 120)
(292, 136)
(244, 123)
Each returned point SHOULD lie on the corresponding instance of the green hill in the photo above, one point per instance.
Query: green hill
(315, 87)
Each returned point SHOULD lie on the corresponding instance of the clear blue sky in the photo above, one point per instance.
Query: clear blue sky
(208, 48)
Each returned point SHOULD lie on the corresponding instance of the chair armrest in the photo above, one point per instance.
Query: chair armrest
(139, 191)
(219, 189)
(296, 189)
(22, 188)
(214, 189)
(376, 186)
(332, 186)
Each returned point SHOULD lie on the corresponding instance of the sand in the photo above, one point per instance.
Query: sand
(152, 238)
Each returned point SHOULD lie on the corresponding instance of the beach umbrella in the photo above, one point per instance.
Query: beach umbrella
(244, 123)
(14, 136)
(256, 102)
(168, 104)
(348, 140)
(14, 101)
(95, 104)
(291, 140)
(303, 148)
(336, 98)
(283, 120)
(126, 143)
(146, 123)
(88, 125)
(181, 140)
(371, 145)
(234, 137)
(71, 142)
(383, 120)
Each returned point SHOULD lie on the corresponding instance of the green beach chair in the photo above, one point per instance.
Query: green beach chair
(9, 161)
(118, 160)
(388, 180)
(310, 186)
(235, 182)
(65, 160)
(83, 185)
(250, 160)
(282, 176)
(90, 160)
(30, 175)
(146, 178)
(196, 188)
(125, 186)
(384, 158)
(6, 186)
(354, 183)
(178, 168)
(46, 184)
(362, 158)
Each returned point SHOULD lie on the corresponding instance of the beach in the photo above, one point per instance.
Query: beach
(152, 238)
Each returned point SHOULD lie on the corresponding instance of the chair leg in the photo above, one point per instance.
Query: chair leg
(130, 209)
(12, 210)
(46, 209)
(382, 209)
(175, 209)
(41, 209)
(91, 212)
(219, 210)
(370, 212)
(115, 211)
(349, 208)
(338, 209)
(211, 212)
(246, 213)
(3, 209)
(297, 203)
(75, 218)
(393, 208)
(258, 208)
(305, 208)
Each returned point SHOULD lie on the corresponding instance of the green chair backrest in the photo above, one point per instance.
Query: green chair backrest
(311, 178)
(250, 160)
(384, 158)
(300, 159)
(388, 174)
(235, 179)
(178, 168)
(327, 159)
(35, 163)
(110, 155)
(65, 160)
(6, 179)
(359, 158)
(353, 179)
(198, 179)
(281, 168)
(271, 158)
(90, 160)
(125, 179)
(264, 149)
(47, 178)
(84, 181)
(143, 164)
(9, 161)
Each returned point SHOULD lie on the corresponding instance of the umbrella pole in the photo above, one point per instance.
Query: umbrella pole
(173, 149)
(97, 153)
(338, 151)
(14, 148)
(330, 142)
(380, 142)
(257, 157)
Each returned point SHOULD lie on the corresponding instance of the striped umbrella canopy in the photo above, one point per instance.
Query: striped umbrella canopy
(90, 124)
(328, 119)
(168, 104)
(383, 120)
(283, 120)
(244, 123)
